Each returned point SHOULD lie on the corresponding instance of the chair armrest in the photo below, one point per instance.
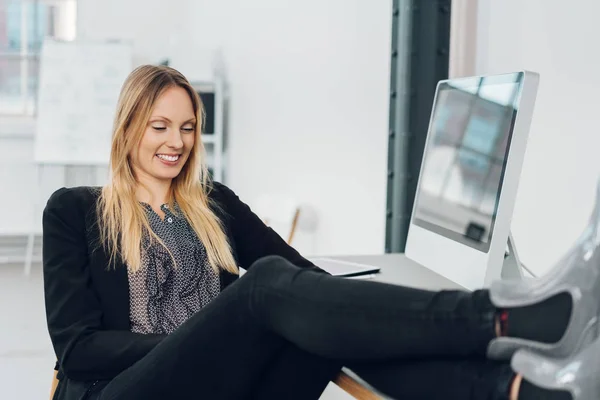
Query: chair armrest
(54, 384)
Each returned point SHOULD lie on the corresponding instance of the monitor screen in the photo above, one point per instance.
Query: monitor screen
(465, 159)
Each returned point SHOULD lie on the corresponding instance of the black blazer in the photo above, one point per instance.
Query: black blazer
(87, 300)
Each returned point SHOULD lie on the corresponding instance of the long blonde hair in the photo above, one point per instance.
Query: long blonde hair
(122, 220)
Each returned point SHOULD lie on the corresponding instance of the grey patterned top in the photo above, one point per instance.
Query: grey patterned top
(162, 296)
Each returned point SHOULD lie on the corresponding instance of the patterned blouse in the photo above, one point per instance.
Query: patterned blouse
(163, 296)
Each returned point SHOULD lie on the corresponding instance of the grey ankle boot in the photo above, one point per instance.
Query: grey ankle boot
(578, 374)
(577, 273)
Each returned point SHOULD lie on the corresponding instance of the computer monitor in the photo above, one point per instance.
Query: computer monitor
(469, 176)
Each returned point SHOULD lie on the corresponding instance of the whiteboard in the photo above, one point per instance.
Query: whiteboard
(79, 87)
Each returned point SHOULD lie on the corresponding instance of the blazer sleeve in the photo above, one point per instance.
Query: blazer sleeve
(252, 238)
(84, 349)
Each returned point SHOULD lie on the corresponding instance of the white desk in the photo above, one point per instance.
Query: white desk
(398, 270)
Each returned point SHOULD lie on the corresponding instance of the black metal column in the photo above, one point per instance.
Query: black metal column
(420, 49)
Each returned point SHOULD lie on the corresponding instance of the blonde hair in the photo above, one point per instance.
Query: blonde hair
(122, 218)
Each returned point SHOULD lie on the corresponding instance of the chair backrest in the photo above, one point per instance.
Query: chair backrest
(284, 214)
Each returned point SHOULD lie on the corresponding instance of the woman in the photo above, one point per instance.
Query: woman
(143, 300)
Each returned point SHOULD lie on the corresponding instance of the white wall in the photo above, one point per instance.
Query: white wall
(558, 40)
(148, 24)
(309, 89)
(309, 84)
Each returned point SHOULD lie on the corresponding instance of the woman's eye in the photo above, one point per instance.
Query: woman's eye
(159, 128)
(188, 129)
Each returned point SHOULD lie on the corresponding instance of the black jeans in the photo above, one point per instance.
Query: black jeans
(249, 342)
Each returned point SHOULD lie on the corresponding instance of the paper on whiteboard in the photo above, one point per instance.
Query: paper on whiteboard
(78, 91)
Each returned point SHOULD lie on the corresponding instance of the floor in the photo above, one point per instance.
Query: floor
(26, 356)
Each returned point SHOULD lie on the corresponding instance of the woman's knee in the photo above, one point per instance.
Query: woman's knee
(269, 270)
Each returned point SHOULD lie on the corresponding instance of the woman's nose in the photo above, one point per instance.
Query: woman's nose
(175, 140)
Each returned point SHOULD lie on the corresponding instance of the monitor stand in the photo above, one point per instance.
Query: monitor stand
(512, 267)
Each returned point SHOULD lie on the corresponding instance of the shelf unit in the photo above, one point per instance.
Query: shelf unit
(214, 97)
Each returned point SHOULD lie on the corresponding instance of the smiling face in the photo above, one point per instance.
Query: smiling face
(168, 138)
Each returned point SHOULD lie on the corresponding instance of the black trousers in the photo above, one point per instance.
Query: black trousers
(282, 332)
